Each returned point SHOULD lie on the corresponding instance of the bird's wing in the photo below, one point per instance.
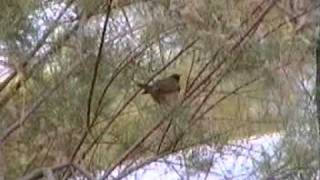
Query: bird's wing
(166, 86)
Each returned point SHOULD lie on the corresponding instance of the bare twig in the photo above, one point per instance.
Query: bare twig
(214, 57)
(114, 117)
(99, 107)
(213, 88)
(132, 148)
(291, 19)
(228, 95)
(236, 45)
(97, 63)
(40, 43)
(18, 84)
(113, 77)
(35, 106)
(164, 135)
(194, 119)
(156, 74)
(189, 73)
(256, 10)
(141, 140)
(254, 26)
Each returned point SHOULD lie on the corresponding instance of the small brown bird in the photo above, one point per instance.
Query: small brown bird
(165, 90)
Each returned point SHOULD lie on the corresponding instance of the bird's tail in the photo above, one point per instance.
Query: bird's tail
(145, 87)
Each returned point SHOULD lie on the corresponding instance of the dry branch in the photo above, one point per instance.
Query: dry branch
(40, 43)
(44, 96)
(96, 66)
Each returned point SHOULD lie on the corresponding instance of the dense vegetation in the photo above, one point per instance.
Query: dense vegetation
(69, 70)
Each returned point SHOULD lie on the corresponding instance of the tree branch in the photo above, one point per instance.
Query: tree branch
(97, 63)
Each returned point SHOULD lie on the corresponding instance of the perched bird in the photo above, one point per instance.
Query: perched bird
(163, 91)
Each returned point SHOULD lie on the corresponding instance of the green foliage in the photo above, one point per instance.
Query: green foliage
(92, 7)
(14, 17)
(55, 129)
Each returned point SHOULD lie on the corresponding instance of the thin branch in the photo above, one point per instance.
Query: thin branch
(114, 117)
(97, 63)
(132, 149)
(164, 135)
(18, 84)
(213, 88)
(226, 96)
(162, 155)
(256, 10)
(115, 74)
(194, 119)
(235, 91)
(40, 43)
(254, 26)
(82, 171)
(140, 141)
(214, 57)
(250, 31)
(127, 21)
(281, 24)
(44, 96)
(189, 73)
(141, 165)
(99, 108)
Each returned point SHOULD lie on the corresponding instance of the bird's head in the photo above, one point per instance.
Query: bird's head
(175, 76)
